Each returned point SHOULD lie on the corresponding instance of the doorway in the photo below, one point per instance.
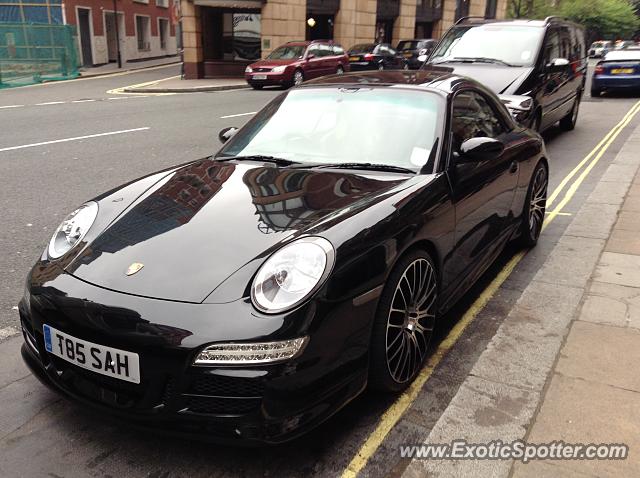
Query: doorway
(112, 37)
(319, 27)
(84, 27)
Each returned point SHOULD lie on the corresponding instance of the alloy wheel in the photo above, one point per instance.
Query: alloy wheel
(298, 78)
(538, 203)
(411, 320)
(339, 71)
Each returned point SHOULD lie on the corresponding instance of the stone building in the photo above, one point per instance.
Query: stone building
(220, 37)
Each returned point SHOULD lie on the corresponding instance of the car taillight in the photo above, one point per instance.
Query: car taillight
(368, 57)
(599, 69)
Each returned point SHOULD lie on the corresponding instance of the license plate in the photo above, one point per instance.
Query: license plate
(98, 358)
(621, 71)
(259, 77)
(354, 58)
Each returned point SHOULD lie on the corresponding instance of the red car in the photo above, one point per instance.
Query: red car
(295, 62)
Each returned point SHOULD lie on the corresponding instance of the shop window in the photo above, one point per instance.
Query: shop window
(231, 36)
(143, 33)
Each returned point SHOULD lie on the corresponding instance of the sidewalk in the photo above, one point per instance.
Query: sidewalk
(563, 366)
(594, 392)
(110, 68)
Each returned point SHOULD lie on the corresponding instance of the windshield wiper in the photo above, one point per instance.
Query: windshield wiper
(259, 157)
(371, 166)
(474, 59)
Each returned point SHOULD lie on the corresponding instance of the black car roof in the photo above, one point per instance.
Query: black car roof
(433, 77)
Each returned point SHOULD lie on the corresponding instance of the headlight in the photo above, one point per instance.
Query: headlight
(72, 230)
(292, 274)
(279, 69)
(248, 69)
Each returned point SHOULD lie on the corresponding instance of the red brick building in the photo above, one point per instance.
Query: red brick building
(144, 28)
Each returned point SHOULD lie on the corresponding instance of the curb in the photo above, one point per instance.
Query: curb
(193, 89)
(123, 70)
(500, 397)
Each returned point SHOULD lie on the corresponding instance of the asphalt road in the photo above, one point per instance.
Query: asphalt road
(43, 435)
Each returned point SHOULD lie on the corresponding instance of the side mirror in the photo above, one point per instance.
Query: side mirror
(310, 56)
(227, 133)
(557, 64)
(480, 149)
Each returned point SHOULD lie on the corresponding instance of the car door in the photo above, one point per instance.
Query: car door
(328, 60)
(482, 191)
(313, 63)
(552, 79)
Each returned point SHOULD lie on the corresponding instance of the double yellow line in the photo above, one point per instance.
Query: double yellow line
(393, 414)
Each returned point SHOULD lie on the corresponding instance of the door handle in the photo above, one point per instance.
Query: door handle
(514, 167)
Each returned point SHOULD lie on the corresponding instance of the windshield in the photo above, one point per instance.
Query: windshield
(382, 126)
(289, 52)
(362, 48)
(516, 45)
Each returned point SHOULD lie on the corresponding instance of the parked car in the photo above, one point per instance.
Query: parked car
(251, 295)
(375, 56)
(545, 60)
(620, 69)
(295, 62)
(411, 50)
(599, 49)
(624, 44)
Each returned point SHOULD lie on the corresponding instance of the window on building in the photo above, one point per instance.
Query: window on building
(162, 3)
(143, 33)
(163, 32)
(492, 9)
(230, 36)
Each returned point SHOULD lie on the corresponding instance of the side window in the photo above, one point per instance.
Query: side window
(313, 50)
(552, 46)
(324, 50)
(473, 117)
(338, 50)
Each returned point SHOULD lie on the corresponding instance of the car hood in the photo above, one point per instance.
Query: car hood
(206, 220)
(498, 78)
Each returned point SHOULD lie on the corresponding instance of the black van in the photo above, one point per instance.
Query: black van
(541, 60)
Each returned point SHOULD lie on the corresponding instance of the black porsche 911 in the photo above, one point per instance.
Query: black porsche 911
(248, 296)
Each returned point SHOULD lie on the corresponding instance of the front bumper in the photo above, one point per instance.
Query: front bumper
(268, 78)
(268, 403)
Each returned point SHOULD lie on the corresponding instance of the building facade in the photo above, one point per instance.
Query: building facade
(144, 27)
(220, 37)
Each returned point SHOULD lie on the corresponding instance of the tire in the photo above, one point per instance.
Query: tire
(568, 123)
(339, 70)
(596, 92)
(257, 87)
(404, 322)
(298, 77)
(534, 207)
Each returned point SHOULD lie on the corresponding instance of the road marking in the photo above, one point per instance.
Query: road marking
(82, 101)
(576, 184)
(239, 114)
(126, 97)
(50, 103)
(120, 91)
(11, 106)
(572, 173)
(394, 413)
(110, 133)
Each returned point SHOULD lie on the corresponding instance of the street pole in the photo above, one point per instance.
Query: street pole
(115, 16)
